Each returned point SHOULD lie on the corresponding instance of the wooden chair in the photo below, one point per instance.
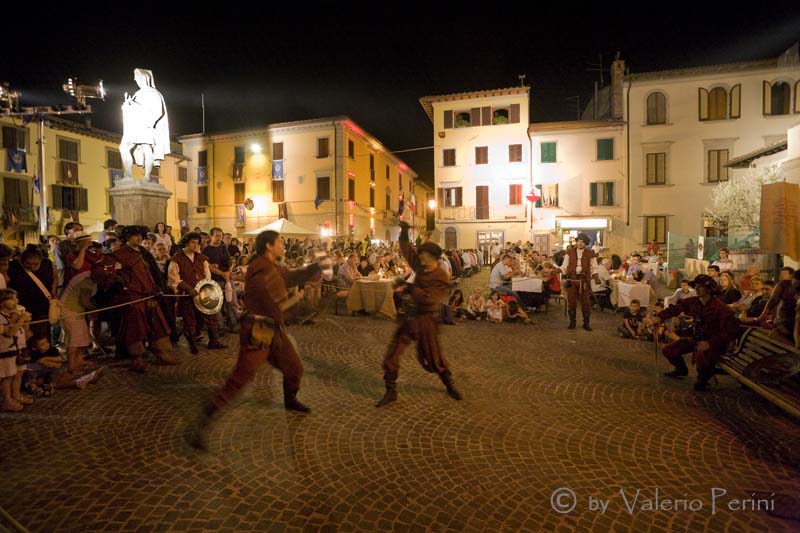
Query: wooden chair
(340, 297)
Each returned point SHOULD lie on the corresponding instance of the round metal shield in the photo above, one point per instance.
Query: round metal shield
(209, 297)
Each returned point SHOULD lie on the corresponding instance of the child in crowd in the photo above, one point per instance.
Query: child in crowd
(684, 291)
(457, 305)
(13, 332)
(476, 307)
(632, 321)
(515, 313)
(43, 369)
(651, 330)
(494, 308)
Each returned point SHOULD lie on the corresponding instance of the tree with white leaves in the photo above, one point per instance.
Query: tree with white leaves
(737, 201)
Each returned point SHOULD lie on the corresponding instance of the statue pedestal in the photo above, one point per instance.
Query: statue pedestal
(139, 202)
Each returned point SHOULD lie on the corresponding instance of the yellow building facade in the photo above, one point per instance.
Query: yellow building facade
(81, 163)
(327, 175)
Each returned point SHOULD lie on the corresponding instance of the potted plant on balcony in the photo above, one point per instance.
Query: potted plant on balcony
(461, 123)
(500, 119)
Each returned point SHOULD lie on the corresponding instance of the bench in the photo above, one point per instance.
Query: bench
(756, 345)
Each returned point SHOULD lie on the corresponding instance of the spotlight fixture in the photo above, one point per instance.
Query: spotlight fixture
(9, 99)
(83, 92)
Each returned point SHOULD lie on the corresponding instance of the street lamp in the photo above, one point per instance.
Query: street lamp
(430, 216)
(255, 148)
(431, 204)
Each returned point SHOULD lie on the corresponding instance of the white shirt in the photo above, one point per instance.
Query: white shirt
(174, 271)
(579, 268)
(497, 277)
(466, 260)
(444, 264)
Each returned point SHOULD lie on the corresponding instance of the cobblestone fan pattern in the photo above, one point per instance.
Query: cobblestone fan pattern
(544, 408)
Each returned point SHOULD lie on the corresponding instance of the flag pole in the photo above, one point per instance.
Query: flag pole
(43, 218)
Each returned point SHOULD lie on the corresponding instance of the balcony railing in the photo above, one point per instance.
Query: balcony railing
(493, 212)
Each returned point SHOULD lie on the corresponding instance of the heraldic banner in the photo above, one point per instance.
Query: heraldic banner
(780, 219)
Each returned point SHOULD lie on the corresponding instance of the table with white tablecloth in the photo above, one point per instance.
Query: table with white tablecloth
(372, 296)
(526, 284)
(622, 293)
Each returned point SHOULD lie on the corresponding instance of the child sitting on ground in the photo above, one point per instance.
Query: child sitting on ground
(632, 321)
(494, 308)
(515, 313)
(44, 367)
(476, 307)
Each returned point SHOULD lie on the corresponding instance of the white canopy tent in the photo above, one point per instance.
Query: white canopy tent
(283, 227)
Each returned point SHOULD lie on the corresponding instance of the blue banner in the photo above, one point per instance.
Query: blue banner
(115, 174)
(16, 160)
(277, 169)
(202, 175)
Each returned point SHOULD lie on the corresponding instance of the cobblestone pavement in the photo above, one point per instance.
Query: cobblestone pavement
(544, 409)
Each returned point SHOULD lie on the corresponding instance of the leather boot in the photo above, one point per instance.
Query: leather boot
(681, 370)
(192, 343)
(572, 315)
(213, 340)
(291, 403)
(586, 325)
(138, 365)
(391, 389)
(447, 379)
(166, 357)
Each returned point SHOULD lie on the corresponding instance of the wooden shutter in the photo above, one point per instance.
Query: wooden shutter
(448, 119)
(797, 97)
(767, 98)
(555, 198)
(513, 115)
(514, 153)
(202, 158)
(486, 116)
(702, 104)
(593, 194)
(736, 101)
(277, 151)
(439, 197)
(450, 157)
(371, 197)
(459, 197)
(482, 202)
(82, 197)
(58, 202)
(610, 193)
(9, 137)
(481, 155)
(475, 116)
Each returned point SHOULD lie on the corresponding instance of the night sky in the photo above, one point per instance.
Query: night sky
(274, 64)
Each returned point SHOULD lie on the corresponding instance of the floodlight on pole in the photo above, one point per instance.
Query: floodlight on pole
(83, 92)
(9, 99)
(255, 148)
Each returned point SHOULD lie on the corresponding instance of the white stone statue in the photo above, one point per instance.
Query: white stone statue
(145, 133)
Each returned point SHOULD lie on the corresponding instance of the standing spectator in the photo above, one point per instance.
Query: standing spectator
(34, 279)
(52, 247)
(109, 226)
(163, 236)
(13, 335)
(653, 248)
(219, 261)
(75, 300)
(70, 256)
(5, 258)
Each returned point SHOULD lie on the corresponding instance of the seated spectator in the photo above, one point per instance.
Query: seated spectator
(724, 263)
(632, 322)
(515, 313)
(348, 272)
(713, 272)
(745, 284)
(501, 274)
(730, 294)
(457, 305)
(684, 291)
(635, 268)
(750, 307)
(364, 268)
(476, 306)
(494, 308)
(43, 370)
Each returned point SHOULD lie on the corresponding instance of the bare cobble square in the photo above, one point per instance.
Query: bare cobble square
(550, 419)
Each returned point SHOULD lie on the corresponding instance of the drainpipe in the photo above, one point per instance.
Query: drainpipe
(530, 180)
(211, 185)
(628, 162)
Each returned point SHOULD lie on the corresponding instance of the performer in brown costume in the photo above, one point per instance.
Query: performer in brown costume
(262, 335)
(580, 267)
(187, 268)
(428, 292)
(142, 321)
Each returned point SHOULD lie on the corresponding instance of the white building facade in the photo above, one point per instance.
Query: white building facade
(686, 124)
(482, 166)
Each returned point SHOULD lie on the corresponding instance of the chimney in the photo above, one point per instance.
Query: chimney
(617, 73)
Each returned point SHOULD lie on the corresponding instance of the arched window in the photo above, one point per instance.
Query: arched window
(717, 104)
(657, 109)
(450, 238)
(781, 98)
(500, 116)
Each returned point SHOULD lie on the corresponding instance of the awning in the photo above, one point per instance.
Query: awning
(745, 160)
(583, 222)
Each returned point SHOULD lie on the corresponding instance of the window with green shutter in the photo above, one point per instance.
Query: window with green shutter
(548, 152)
(605, 149)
